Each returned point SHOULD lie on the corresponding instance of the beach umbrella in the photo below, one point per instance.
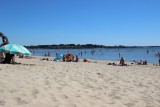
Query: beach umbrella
(15, 49)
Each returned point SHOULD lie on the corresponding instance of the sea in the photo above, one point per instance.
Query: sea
(129, 54)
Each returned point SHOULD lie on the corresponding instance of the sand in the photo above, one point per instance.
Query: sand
(37, 83)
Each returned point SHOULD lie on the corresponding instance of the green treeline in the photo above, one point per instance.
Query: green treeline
(78, 46)
(71, 46)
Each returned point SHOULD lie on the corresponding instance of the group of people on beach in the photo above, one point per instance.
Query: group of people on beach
(10, 58)
(70, 58)
(121, 62)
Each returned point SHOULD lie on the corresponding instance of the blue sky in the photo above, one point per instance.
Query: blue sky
(104, 22)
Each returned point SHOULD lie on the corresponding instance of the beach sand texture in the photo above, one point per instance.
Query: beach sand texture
(36, 83)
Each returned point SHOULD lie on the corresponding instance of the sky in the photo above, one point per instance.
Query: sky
(102, 22)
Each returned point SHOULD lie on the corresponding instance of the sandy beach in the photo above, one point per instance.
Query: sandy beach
(41, 83)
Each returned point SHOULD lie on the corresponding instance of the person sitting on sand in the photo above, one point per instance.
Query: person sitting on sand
(64, 59)
(119, 63)
(21, 56)
(145, 62)
(47, 59)
(122, 61)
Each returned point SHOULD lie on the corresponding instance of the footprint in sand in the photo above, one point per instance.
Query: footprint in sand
(59, 88)
(34, 93)
(158, 101)
(1, 90)
(110, 101)
(20, 101)
(95, 98)
(115, 96)
(78, 96)
(71, 105)
(62, 83)
(12, 91)
(47, 82)
(53, 97)
(62, 96)
(130, 104)
(2, 102)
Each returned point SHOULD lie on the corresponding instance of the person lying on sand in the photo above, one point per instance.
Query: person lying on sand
(141, 62)
(47, 59)
(86, 60)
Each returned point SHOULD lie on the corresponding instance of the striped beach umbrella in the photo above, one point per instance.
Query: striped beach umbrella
(15, 49)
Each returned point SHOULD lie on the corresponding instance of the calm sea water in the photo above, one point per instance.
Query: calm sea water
(129, 54)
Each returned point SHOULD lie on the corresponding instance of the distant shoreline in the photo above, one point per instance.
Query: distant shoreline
(83, 46)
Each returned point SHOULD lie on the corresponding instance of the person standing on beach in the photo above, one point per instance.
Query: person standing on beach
(8, 56)
(49, 54)
(56, 54)
(81, 54)
(77, 59)
(119, 54)
(159, 59)
(147, 51)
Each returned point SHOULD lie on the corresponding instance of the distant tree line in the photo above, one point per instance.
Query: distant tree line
(71, 46)
(78, 46)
